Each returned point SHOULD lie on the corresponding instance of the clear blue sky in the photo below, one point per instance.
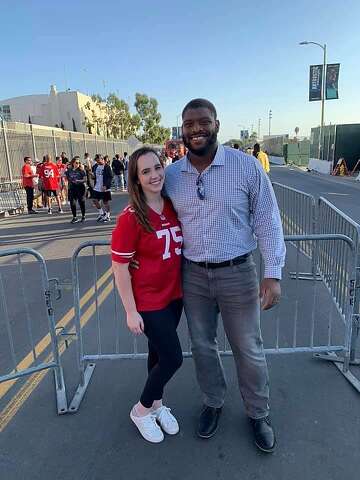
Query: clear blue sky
(243, 56)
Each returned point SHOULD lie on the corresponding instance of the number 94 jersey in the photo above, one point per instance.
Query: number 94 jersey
(158, 280)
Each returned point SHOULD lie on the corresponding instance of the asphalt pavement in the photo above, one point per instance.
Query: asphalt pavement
(314, 410)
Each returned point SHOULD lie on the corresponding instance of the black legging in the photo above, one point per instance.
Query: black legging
(77, 193)
(165, 355)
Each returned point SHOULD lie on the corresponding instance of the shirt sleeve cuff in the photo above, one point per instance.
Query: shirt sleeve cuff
(272, 272)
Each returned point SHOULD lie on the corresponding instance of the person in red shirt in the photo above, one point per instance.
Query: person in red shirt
(63, 182)
(149, 232)
(28, 183)
(50, 180)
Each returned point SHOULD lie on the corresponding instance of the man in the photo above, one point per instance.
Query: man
(64, 158)
(126, 165)
(262, 157)
(102, 175)
(118, 169)
(28, 177)
(50, 176)
(224, 201)
(88, 162)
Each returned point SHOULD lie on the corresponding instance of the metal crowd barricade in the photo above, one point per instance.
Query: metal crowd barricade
(331, 219)
(12, 197)
(16, 319)
(298, 216)
(313, 318)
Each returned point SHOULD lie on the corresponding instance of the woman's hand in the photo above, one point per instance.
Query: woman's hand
(135, 323)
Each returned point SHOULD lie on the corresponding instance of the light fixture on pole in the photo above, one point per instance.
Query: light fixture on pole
(270, 117)
(323, 47)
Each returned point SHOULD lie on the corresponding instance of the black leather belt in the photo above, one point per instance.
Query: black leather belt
(227, 263)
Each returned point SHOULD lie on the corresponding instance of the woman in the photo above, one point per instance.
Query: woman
(149, 232)
(76, 177)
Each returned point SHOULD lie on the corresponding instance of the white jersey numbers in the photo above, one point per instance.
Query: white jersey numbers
(168, 233)
(49, 173)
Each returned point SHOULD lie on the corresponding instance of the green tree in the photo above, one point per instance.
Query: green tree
(151, 130)
(120, 122)
(111, 117)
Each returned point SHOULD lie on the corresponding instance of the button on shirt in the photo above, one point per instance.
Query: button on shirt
(238, 211)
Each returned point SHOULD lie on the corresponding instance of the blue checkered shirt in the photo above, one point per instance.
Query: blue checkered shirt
(238, 211)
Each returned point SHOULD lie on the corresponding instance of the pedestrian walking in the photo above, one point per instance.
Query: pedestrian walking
(226, 205)
(149, 231)
(28, 177)
(39, 171)
(88, 161)
(126, 164)
(63, 184)
(101, 192)
(76, 177)
(64, 158)
(262, 157)
(36, 182)
(118, 169)
(50, 179)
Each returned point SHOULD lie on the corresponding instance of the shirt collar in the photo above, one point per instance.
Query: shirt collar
(219, 159)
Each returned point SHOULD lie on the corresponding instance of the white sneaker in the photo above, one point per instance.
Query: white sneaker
(100, 217)
(148, 427)
(49, 211)
(167, 421)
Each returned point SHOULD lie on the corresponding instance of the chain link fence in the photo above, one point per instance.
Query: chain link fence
(18, 140)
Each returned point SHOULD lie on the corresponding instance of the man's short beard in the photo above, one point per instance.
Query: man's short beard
(202, 152)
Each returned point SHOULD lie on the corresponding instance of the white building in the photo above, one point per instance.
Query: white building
(58, 109)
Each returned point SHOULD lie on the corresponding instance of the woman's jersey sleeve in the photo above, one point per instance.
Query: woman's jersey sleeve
(125, 237)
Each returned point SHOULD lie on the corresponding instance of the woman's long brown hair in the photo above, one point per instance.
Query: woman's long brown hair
(137, 197)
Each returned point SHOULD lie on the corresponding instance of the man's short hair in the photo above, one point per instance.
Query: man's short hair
(200, 103)
(27, 158)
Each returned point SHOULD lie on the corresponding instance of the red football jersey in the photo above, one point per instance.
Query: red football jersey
(50, 176)
(158, 280)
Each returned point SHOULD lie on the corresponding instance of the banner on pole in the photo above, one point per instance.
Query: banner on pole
(332, 81)
(315, 82)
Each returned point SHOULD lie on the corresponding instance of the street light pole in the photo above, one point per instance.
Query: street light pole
(321, 133)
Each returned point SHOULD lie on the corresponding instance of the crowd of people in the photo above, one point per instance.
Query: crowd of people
(63, 181)
(257, 153)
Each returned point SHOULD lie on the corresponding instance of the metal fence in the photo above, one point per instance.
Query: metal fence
(18, 140)
(22, 324)
(300, 212)
(298, 217)
(12, 197)
(331, 219)
(307, 320)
